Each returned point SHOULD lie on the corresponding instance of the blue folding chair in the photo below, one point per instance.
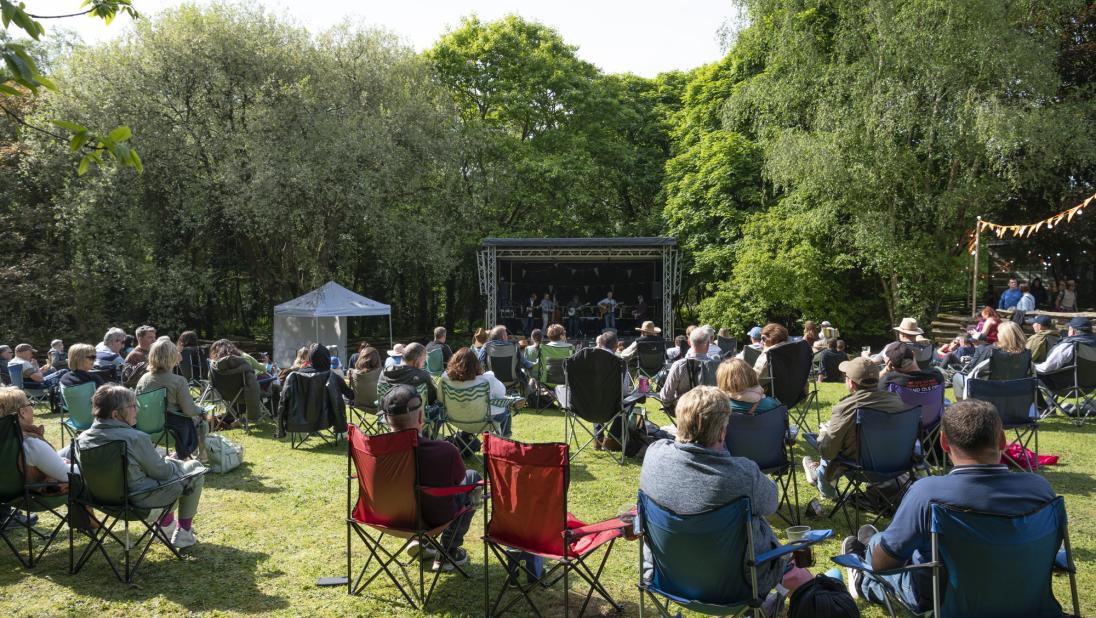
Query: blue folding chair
(931, 402)
(991, 565)
(700, 561)
(767, 440)
(1015, 403)
(886, 441)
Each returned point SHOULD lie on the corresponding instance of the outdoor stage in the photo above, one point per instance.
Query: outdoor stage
(510, 269)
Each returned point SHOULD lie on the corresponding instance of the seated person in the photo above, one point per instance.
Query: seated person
(1009, 339)
(695, 473)
(830, 358)
(1039, 343)
(440, 465)
(439, 342)
(5, 355)
(465, 370)
(736, 378)
(300, 360)
(43, 464)
(1061, 356)
(499, 337)
(395, 356)
(754, 335)
(81, 358)
(986, 329)
(953, 353)
(108, 351)
(678, 379)
(115, 409)
(837, 437)
(479, 339)
(136, 363)
(973, 438)
(412, 372)
(907, 331)
(185, 419)
(714, 351)
(902, 370)
(557, 337)
(328, 412)
(531, 349)
(772, 335)
(679, 349)
(56, 357)
(25, 364)
(227, 360)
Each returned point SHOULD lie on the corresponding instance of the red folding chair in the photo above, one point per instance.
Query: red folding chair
(388, 504)
(528, 514)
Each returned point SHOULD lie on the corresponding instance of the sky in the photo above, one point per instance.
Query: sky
(644, 37)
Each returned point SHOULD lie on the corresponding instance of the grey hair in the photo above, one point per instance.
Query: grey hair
(111, 398)
(114, 334)
(700, 336)
(412, 352)
(708, 328)
(142, 330)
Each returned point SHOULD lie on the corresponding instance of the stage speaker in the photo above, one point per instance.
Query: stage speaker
(656, 290)
(505, 292)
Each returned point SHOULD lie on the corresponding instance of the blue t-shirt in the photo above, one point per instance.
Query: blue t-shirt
(986, 488)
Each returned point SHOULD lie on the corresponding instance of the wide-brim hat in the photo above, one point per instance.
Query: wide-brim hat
(649, 328)
(397, 350)
(909, 327)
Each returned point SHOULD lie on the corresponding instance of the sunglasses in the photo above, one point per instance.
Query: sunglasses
(90, 357)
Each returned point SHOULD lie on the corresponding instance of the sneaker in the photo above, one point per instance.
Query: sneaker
(18, 519)
(865, 533)
(169, 530)
(852, 545)
(458, 556)
(414, 548)
(810, 468)
(183, 538)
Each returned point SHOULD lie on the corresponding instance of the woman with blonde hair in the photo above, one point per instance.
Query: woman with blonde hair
(736, 378)
(1007, 359)
(479, 339)
(42, 463)
(185, 419)
(81, 358)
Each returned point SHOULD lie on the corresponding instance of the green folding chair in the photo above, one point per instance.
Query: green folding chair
(551, 364)
(151, 415)
(435, 363)
(77, 406)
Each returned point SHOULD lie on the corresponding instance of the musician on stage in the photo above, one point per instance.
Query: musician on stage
(547, 306)
(531, 307)
(572, 315)
(608, 308)
(639, 312)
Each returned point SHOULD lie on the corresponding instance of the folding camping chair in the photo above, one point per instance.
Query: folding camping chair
(314, 407)
(76, 403)
(1075, 382)
(389, 505)
(767, 440)
(886, 442)
(715, 585)
(728, 347)
(931, 402)
(430, 426)
(1015, 403)
(528, 514)
(35, 395)
(231, 391)
(651, 358)
(17, 493)
(435, 365)
(151, 419)
(469, 411)
(750, 354)
(550, 364)
(788, 380)
(502, 359)
(104, 487)
(698, 372)
(594, 394)
(987, 565)
(194, 366)
(363, 409)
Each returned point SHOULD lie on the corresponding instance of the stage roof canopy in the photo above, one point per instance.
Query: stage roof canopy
(641, 241)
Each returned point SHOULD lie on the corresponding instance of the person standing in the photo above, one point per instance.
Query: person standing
(1010, 296)
(1067, 297)
(608, 307)
(1027, 300)
(531, 306)
(1042, 299)
(547, 306)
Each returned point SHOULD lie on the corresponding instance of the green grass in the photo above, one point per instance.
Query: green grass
(268, 530)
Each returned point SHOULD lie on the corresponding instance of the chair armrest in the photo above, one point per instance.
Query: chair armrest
(174, 481)
(635, 398)
(441, 492)
(853, 561)
(811, 438)
(615, 523)
(813, 537)
(793, 433)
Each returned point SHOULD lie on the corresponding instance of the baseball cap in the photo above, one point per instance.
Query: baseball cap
(401, 399)
(25, 347)
(1041, 320)
(1077, 323)
(755, 332)
(861, 370)
(896, 354)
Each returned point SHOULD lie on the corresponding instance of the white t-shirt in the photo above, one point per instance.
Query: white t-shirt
(42, 456)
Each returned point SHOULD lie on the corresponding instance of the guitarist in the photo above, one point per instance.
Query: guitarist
(572, 316)
(547, 306)
(531, 307)
(608, 306)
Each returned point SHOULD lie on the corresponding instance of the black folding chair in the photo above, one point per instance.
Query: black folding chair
(231, 391)
(1076, 382)
(788, 381)
(314, 407)
(750, 354)
(728, 347)
(886, 441)
(651, 358)
(502, 359)
(1015, 403)
(594, 395)
(767, 440)
(16, 493)
(104, 486)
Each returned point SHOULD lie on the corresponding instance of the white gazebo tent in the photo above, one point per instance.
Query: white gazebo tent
(320, 317)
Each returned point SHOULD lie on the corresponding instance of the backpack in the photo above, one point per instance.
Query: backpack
(224, 454)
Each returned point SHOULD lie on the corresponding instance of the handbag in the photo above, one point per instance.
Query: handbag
(224, 454)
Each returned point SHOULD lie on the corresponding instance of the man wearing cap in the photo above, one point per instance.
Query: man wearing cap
(25, 364)
(1080, 333)
(1040, 342)
(902, 369)
(647, 332)
(439, 465)
(837, 438)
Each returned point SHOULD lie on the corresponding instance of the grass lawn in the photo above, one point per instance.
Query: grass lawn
(269, 529)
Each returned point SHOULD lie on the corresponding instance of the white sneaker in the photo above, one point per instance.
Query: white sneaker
(810, 470)
(183, 538)
(414, 548)
(169, 530)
